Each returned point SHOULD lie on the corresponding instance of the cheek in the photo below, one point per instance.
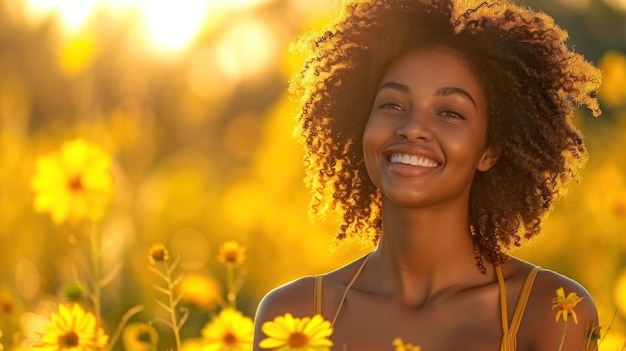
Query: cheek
(376, 131)
(467, 146)
(372, 141)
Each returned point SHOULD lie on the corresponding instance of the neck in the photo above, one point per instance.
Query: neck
(426, 240)
(424, 252)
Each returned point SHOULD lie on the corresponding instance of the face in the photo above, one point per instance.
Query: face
(426, 134)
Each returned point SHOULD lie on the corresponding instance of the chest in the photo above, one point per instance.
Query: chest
(372, 323)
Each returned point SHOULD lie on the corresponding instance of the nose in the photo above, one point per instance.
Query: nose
(415, 126)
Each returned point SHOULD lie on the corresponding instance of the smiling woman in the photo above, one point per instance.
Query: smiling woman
(441, 131)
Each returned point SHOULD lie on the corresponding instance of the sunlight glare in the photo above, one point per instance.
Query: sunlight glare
(245, 3)
(172, 25)
(167, 26)
(247, 49)
(619, 5)
(72, 13)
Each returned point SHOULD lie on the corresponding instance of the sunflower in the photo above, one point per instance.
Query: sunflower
(140, 337)
(158, 253)
(200, 290)
(231, 253)
(229, 331)
(72, 329)
(286, 333)
(74, 183)
(565, 305)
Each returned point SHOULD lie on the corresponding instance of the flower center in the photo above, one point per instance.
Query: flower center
(229, 339)
(75, 184)
(6, 307)
(297, 339)
(232, 256)
(567, 305)
(144, 337)
(68, 340)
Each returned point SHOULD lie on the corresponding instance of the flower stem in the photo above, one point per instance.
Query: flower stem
(172, 305)
(563, 336)
(231, 295)
(95, 271)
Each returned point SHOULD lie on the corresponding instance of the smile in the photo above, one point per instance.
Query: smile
(413, 160)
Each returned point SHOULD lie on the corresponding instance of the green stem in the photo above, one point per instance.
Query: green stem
(231, 295)
(172, 304)
(563, 336)
(95, 271)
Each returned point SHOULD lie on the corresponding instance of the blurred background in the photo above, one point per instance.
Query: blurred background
(189, 97)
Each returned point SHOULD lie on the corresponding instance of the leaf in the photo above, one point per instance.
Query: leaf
(166, 307)
(162, 289)
(159, 273)
(164, 322)
(131, 312)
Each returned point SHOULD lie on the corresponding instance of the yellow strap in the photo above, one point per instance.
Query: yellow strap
(345, 292)
(523, 300)
(509, 337)
(504, 317)
(317, 295)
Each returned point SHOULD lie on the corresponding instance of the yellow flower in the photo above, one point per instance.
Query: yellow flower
(200, 290)
(158, 253)
(74, 183)
(230, 331)
(140, 337)
(401, 346)
(231, 253)
(191, 345)
(286, 333)
(565, 304)
(613, 88)
(1, 347)
(72, 329)
(7, 304)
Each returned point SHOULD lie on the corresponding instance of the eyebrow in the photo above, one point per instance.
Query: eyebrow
(445, 91)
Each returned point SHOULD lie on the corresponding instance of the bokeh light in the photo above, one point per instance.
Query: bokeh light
(619, 5)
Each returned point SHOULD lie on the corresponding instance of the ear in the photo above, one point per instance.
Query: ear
(490, 157)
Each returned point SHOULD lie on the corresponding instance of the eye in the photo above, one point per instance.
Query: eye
(389, 105)
(451, 113)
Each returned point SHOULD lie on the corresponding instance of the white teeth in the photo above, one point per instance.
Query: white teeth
(413, 160)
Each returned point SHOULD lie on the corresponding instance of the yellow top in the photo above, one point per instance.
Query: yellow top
(509, 333)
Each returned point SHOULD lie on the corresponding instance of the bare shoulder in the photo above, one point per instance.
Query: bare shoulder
(543, 330)
(295, 297)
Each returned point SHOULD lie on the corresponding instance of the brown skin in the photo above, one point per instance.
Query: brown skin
(421, 283)
(458, 315)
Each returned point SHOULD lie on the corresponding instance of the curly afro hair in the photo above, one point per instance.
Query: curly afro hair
(531, 80)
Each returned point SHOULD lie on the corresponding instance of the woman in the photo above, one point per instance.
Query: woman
(442, 132)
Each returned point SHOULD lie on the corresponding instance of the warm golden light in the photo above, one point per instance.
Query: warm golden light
(165, 26)
(619, 5)
(172, 25)
(72, 14)
(246, 49)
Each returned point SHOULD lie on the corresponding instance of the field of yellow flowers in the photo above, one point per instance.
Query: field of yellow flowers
(151, 194)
